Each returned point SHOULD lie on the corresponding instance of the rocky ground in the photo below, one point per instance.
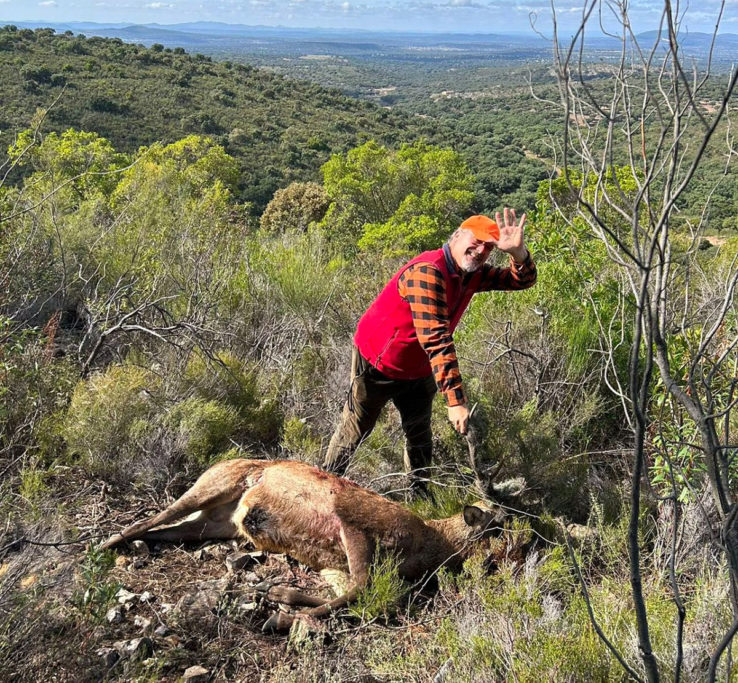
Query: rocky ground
(184, 606)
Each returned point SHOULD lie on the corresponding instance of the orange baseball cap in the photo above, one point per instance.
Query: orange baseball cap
(483, 228)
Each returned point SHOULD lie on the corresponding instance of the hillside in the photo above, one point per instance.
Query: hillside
(151, 326)
(278, 130)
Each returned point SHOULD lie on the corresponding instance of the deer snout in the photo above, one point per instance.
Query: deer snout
(497, 522)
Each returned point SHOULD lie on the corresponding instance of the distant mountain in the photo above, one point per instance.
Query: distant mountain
(695, 41)
(223, 29)
(74, 26)
(146, 33)
(223, 40)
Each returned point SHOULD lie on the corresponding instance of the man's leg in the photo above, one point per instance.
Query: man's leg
(415, 404)
(367, 396)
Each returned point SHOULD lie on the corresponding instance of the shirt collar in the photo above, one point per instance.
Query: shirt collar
(450, 263)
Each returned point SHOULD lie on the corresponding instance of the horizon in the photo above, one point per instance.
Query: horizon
(480, 17)
(181, 26)
(282, 27)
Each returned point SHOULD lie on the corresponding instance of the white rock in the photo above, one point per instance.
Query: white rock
(114, 615)
(125, 596)
(196, 674)
(138, 648)
(142, 622)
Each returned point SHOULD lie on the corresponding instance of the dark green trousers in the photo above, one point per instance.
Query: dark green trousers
(369, 392)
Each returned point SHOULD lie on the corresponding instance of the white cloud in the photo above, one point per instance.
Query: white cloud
(465, 3)
(159, 5)
(48, 3)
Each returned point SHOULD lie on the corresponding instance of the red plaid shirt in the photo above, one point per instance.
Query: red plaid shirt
(423, 287)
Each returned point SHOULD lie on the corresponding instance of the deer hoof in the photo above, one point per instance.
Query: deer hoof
(279, 621)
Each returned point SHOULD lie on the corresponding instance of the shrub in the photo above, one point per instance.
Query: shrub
(32, 484)
(294, 208)
(94, 593)
(385, 588)
(395, 202)
(231, 381)
(203, 428)
(34, 386)
(109, 417)
(300, 441)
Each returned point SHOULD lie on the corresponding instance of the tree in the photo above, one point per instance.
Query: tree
(295, 207)
(396, 202)
(630, 150)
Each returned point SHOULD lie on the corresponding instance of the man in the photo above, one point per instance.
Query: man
(403, 346)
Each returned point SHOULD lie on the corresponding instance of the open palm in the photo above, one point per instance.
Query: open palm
(512, 236)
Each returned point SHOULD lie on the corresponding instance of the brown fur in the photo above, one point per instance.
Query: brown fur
(324, 521)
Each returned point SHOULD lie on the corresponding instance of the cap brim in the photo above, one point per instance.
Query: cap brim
(487, 234)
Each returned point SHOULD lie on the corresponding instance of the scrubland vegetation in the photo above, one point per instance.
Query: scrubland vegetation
(157, 316)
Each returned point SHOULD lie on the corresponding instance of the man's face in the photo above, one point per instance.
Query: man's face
(469, 252)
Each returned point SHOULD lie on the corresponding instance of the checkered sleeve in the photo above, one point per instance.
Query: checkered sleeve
(517, 276)
(423, 287)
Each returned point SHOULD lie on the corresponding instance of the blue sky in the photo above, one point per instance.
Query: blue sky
(473, 16)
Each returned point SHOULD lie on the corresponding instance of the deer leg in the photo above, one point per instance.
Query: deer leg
(220, 485)
(293, 597)
(358, 554)
(215, 523)
(335, 578)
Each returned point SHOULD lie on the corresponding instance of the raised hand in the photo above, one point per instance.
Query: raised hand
(512, 236)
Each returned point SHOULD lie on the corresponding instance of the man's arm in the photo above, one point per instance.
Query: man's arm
(517, 276)
(424, 288)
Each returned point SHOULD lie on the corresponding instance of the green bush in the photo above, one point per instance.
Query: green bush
(94, 593)
(300, 441)
(108, 417)
(294, 208)
(128, 423)
(203, 428)
(32, 484)
(230, 381)
(385, 588)
(395, 202)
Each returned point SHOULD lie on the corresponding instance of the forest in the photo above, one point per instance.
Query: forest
(186, 246)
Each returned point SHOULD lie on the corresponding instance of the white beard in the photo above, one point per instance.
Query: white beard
(469, 264)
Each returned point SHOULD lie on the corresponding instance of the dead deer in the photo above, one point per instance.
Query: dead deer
(320, 519)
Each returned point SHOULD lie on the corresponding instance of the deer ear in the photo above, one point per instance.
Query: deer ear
(474, 516)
